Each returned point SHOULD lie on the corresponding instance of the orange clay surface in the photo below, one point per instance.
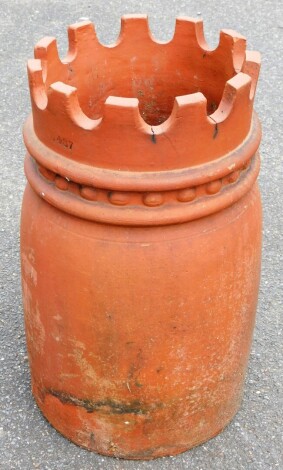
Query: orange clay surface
(141, 235)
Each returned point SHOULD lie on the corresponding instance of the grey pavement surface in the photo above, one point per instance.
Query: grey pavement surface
(253, 440)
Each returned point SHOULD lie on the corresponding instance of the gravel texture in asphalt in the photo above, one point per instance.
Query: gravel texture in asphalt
(253, 440)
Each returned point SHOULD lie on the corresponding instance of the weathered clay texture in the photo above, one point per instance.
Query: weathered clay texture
(141, 235)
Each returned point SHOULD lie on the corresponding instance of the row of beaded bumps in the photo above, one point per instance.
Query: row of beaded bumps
(150, 199)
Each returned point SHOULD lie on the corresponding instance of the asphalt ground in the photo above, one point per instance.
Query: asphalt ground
(253, 441)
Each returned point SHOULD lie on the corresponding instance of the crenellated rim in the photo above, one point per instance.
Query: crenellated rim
(63, 97)
(172, 105)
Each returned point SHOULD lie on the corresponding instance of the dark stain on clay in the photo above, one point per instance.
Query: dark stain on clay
(108, 406)
(91, 440)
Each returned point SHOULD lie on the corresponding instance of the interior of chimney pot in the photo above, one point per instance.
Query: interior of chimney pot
(154, 82)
